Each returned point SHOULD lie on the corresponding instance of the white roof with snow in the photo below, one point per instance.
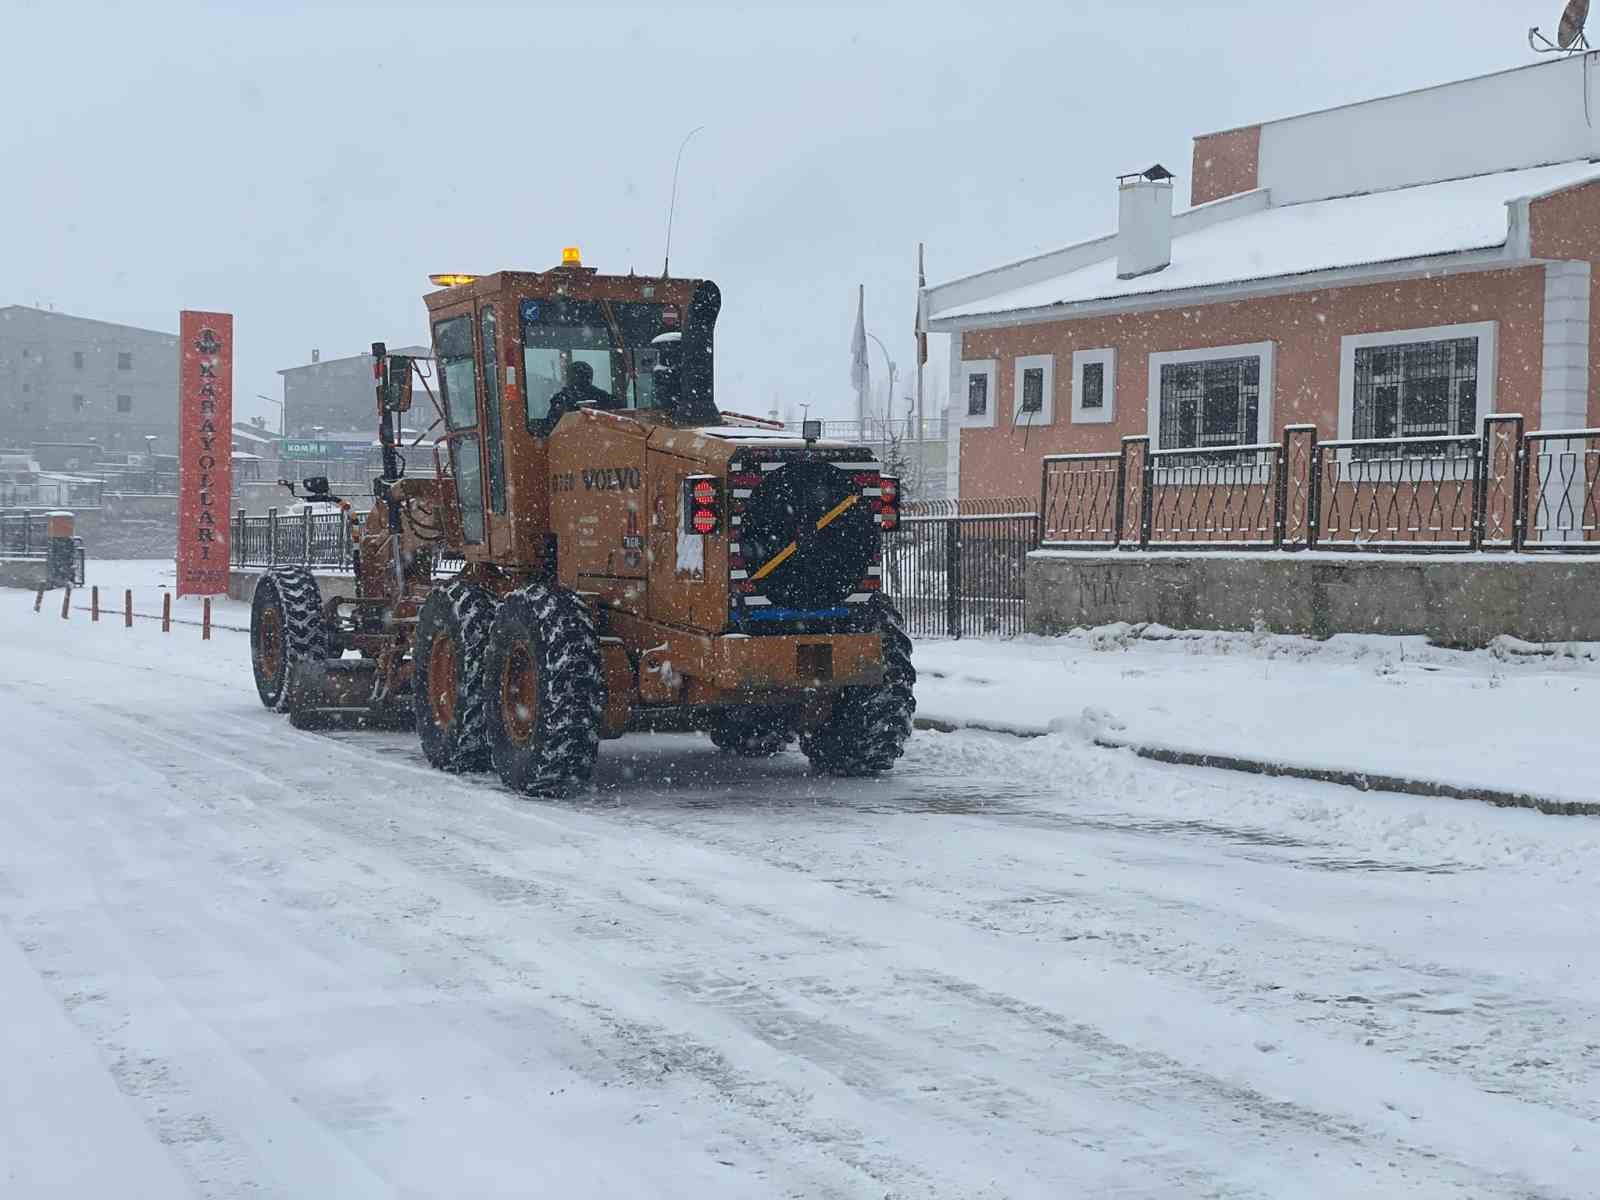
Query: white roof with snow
(1379, 227)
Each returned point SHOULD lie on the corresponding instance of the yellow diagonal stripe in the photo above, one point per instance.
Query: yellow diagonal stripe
(836, 510)
(773, 562)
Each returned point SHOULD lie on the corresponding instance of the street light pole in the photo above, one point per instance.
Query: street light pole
(282, 430)
(889, 362)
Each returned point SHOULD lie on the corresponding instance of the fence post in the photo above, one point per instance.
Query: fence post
(272, 536)
(1498, 519)
(238, 539)
(1299, 456)
(305, 536)
(952, 576)
(1133, 482)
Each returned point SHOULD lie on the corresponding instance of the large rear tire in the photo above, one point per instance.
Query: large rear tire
(447, 676)
(869, 726)
(753, 733)
(546, 691)
(286, 627)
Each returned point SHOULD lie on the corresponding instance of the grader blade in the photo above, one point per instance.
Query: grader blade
(337, 692)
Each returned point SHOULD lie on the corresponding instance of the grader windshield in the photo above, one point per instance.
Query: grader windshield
(633, 351)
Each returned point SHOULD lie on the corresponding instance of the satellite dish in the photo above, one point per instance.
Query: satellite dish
(1569, 34)
(1570, 31)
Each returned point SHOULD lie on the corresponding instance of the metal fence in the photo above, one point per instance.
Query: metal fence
(26, 535)
(1505, 489)
(1558, 503)
(307, 538)
(955, 568)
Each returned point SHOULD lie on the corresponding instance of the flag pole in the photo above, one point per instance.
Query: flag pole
(922, 357)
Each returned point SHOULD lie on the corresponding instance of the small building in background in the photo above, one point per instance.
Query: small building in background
(334, 395)
(1400, 267)
(67, 380)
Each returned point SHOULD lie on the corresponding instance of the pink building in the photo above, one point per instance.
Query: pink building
(1399, 267)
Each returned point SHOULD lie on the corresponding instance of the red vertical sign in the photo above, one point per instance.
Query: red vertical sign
(205, 450)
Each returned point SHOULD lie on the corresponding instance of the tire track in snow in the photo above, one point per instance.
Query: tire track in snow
(1199, 1103)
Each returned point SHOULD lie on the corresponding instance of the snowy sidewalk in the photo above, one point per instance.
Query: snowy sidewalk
(1507, 718)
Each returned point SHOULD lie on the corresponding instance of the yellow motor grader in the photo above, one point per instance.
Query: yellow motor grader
(626, 556)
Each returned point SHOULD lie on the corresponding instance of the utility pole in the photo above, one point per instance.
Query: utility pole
(889, 406)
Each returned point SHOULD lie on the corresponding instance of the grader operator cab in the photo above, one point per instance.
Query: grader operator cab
(597, 549)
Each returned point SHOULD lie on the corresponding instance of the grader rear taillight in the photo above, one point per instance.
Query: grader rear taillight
(702, 503)
(888, 503)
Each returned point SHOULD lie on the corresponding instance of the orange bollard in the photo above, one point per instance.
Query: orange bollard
(66, 601)
(205, 620)
(38, 601)
(127, 608)
(166, 612)
(94, 603)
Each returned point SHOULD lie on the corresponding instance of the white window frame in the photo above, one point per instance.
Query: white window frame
(1487, 333)
(1047, 409)
(1266, 351)
(969, 368)
(1107, 412)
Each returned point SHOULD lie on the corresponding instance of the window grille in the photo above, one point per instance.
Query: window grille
(1094, 386)
(1032, 389)
(1213, 402)
(977, 394)
(1419, 389)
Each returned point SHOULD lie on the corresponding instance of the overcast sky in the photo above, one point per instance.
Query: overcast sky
(305, 166)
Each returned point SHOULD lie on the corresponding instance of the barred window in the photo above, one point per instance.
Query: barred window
(1419, 389)
(1213, 402)
(1032, 389)
(977, 394)
(1094, 386)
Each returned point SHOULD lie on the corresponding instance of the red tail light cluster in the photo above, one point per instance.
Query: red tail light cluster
(889, 503)
(702, 503)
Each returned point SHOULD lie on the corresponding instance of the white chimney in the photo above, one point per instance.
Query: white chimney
(1144, 222)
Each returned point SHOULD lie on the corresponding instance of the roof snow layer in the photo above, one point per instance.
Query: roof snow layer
(1320, 235)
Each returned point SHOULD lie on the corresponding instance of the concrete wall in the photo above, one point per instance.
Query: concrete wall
(1523, 117)
(1464, 600)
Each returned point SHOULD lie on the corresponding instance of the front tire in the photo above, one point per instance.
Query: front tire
(869, 726)
(447, 676)
(546, 691)
(286, 627)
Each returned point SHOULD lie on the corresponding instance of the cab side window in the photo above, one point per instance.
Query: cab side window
(452, 345)
(489, 348)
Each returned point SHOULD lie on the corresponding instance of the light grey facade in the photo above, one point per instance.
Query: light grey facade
(335, 394)
(73, 379)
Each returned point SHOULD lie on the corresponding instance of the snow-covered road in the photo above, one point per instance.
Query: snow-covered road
(239, 960)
